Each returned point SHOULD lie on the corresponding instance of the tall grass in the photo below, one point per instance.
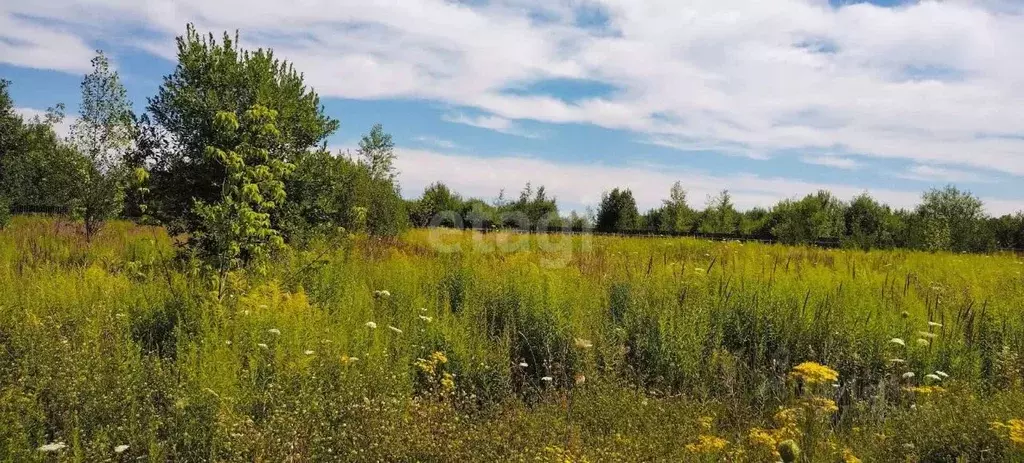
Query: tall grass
(467, 347)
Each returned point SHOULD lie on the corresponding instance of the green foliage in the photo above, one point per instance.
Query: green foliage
(377, 154)
(820, 215)
(633, 349)
(617, 212)
(952, 220)
(720, 216)
(237, 229)
(327, 191)
(438, 206)
(213, 77)
(102, 134)
(39, 170)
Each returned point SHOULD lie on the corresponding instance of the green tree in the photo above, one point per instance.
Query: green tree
(869, 224)
(212, 77)
(720, 216)
(677, 216)
(103, 134)
(38, 171)
(818, 215)
(377, 153)
(952, 220)
(534, 209)
(617, 212)
(439, 205)
(236, 229)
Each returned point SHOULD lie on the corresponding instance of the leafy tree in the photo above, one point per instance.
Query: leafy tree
(1008, 230)
(478, 214)
(869, 224)
(720, 216)
(236, 229)
(532, 210)
(677, 216)
(617, 212)
(756, 222)
(39, 171)
(327, 191)
(10, 121)
(213, 77)
(952, 220)
(819, 215)
(103, 134)
(439, 205)
(377, 153)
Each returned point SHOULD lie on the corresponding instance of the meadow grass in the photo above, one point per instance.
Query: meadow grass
(455, 346)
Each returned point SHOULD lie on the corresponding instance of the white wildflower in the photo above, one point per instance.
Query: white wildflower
(898, 341)
(933, 377)
(547, 378)
(926, 334)
(52, 447)
(392, 328)
(935, 324)
(263, 345)
(309, 352)
(583, 343)
(922, 342)
(371, 325)
(524, 364)
(897, 360)
(274, 331)
(941, 373)
(426, 318)
(908, 375)
(120, 448)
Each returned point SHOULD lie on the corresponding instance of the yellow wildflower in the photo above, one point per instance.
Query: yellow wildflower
(705, 422)
(1012, 429)
(925, 389)
(814, 373)
(849, 457)
(707, 444)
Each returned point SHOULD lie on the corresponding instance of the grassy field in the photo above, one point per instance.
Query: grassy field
(452, 346)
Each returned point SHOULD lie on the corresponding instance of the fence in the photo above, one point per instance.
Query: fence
(820, 242)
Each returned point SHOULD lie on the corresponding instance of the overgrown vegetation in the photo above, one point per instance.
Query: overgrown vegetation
(506, 348)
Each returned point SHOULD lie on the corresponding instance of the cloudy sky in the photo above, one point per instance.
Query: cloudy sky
(769, 99)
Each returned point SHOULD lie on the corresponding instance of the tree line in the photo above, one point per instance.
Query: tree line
(231, 153)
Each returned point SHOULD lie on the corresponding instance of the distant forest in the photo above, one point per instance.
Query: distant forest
(233, 144)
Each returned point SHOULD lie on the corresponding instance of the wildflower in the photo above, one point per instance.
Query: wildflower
(933, 377)
(228, 342)
(895, 360)
(439, 357)
(707, 444)
(56, 446)
(262, 345)
(309, 352)
(821, 404)
(120, 448)
(813, 373)
(423, 309)
(580, 379)
(371, 325)
(583, 343)
(926, 334)
(849, 457)
(274, 331)
(908, 375)
(898, 341)
(392, 328)
(346, 360)
(935, 324)
(547, 379)
(382, 294)
(1014, 430)
(923, 342)
(941, 373)
(448, 382)
(705, 422)
(523, 364)
(426, 318)
(760, 437)
(925, 390)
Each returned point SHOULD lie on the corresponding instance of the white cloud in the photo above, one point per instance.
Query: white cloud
(578, 185)
(495, 123)
(838, 162)
(62, 129)
(435, 141)
(925, 173)
(928, 81)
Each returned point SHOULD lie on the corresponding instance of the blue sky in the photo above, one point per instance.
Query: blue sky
(767, 99)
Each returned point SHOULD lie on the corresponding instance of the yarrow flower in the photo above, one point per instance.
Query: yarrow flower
(583, 343)
(392, 328)
(426, 318)
(935, 324)
(923, 342)
(898, 341)
(908, 375)
(262, 345)
(941, 373)
(274, 331)
(53, 447)
(120, 448)
(547, 379)
(382, 294)
(371, 325)
(933, 377)
(523, 364)
(309, 352)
